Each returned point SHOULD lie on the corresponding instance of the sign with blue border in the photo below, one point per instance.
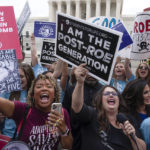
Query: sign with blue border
(45, 29)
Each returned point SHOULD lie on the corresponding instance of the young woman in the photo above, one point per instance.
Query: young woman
(43, 128)
(102, 119)
(26, 76)
(137, 96)
(143, 72)
(122, 74)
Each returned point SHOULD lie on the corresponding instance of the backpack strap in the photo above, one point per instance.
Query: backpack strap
(22, 122)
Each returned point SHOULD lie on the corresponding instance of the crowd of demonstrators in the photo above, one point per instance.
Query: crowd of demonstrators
(43, 92)
(122, 74)
(102, 117)
(89, 107)
(143, 72)
(26, 75)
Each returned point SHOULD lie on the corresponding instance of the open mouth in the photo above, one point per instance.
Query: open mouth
(44, 98)
(111, 101)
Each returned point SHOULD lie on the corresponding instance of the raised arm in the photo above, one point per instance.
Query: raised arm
(6, 107)
(78, 93)
(64, 76)
(34, 58)
(128, 71)
(58, 69)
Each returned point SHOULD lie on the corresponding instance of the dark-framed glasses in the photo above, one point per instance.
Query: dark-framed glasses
(108, 93)
(143, 67)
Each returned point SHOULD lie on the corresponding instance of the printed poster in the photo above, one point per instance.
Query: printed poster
(45, 29)
(9, 38)
(81, 42)
(48, 53)
(9, 75)
(141, 37)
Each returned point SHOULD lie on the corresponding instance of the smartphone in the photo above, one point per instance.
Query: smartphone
(57, 107)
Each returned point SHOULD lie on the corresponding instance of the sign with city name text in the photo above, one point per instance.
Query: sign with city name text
(80, 42)
(9, 38)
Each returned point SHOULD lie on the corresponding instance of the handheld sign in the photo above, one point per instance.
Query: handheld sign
(104, 21)
(141, 36)
(126, 39)
(9, 75)
(47, 53)
(44, 29)
(25, 14)
(8, 31)
(81, 42)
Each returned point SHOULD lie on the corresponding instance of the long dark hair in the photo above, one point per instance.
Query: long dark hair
(27, 69)
(104, 122)
(133, 94)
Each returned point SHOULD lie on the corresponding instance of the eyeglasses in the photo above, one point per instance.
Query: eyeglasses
(108, 93)
(142, 67)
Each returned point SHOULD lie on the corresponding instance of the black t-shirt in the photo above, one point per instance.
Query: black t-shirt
(89, 132)
(89, 94)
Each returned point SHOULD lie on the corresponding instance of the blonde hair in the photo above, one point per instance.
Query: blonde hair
(30, 97)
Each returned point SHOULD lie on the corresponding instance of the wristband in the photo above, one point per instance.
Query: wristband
(66, 133)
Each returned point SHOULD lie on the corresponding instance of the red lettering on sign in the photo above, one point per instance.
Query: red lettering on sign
(147, 25)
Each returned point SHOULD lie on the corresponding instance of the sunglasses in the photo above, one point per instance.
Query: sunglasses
(108, 93)
(142, 67)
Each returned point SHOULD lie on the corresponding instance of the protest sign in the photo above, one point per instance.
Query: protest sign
(23, 18)
(47, 53)
(44, 29)
(8, 31)
(81, 42)
(9, 75)
(141, 36)
(104, 21)
(126, 39)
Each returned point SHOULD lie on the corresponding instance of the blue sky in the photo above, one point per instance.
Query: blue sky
(39, 8)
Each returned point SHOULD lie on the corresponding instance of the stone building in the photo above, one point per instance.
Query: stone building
(85, 9)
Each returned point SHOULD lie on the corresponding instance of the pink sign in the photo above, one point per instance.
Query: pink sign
(9, 38)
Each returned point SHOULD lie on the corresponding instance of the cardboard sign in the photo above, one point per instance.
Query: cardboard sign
(104, 21)
(44, 29)
(23, 18)
(81, 42)
(47, 53)
(9, 75)
(8, 31)
(141, 36)
(126, 39)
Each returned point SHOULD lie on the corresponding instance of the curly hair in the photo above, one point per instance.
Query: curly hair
(104, 122)
(30, 99)
(148, 76)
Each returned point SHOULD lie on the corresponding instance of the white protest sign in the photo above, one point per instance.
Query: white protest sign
(141, 37)
(81, 42)
(104, 21)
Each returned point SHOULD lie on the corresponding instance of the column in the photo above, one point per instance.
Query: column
(68, 7)
(88, 9)
(108, 8)
(77, 13)
(118, 8)
(51, 11)
(98, 8)
(59, 6)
